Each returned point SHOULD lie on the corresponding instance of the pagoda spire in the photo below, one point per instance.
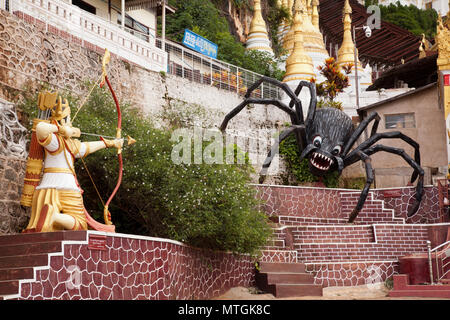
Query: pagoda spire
(299, 65)
(346, 53)
(258, 38)
(315, 14)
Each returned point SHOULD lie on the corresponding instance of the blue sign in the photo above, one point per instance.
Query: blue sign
(200, 44)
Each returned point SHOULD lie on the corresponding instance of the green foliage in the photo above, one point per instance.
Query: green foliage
(298, 170)
(203, 18)
(335, 82)
(205, 205)
(417, 21)
(275, 16)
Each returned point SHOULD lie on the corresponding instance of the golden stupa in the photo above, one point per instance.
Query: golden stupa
(312, 37)
(346, 53)
(299, 65)
(258, 37)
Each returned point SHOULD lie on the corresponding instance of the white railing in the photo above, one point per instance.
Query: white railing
(93, 29)
(186, 63)
(441, 261)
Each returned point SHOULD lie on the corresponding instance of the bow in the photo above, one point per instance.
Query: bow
(105, 61)
(101, 81)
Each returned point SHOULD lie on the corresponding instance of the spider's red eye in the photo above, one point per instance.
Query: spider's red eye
(317, 142)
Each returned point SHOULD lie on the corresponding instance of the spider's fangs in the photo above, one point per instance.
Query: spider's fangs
(321, 161)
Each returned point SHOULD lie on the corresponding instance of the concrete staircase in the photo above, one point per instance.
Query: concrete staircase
(20, 254)
(286, 280)
(343, 253)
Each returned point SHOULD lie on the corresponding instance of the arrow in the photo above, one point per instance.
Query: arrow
(128, 138)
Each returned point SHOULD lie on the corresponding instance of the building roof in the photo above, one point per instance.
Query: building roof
(416, 73)
(400, 96)
(387, 45)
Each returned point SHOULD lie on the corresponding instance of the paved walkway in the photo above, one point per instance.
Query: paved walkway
(330, 293)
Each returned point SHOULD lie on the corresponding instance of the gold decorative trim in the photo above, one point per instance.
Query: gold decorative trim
(34, 166)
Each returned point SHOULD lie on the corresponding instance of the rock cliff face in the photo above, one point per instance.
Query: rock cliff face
(240, 17)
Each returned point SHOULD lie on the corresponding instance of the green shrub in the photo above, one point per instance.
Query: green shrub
(208, 206)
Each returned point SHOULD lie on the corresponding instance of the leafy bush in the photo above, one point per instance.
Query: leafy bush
(208, 206)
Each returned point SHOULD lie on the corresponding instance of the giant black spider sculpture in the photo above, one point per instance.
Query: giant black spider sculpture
(327, 137)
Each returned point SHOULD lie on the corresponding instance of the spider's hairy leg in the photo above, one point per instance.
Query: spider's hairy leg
(416, 166)
(369, 179)
(312, 102)
(352, 156)
(275, 147)
(243, 104)
(360, 129)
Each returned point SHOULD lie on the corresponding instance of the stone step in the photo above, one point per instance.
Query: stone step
(24, 261)
(266, 267)
(30, 248)
(9, 287)
(16, 274)
(296, 290)
(285, 277)
(24, 238)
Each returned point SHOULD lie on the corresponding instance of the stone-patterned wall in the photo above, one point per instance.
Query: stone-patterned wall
(399, 199)
(352, 273)
(13, 218)
(309, 205)
(133, 267)
(319, 203)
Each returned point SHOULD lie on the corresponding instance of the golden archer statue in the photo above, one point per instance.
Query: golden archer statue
(56, 197)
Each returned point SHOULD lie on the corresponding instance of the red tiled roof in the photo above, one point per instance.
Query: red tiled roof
(387, 45)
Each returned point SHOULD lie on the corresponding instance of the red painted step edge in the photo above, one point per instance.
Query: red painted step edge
(402, 288)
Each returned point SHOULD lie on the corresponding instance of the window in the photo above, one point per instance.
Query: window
(402, 120)
(85, 6)
(133, 25)
(428, 5)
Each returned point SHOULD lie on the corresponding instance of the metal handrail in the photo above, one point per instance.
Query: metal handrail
(440, 271)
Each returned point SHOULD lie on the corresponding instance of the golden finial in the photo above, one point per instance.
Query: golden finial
(258, 24)
(298, 65)
(309, 8)
(315, 13)
(258, 38)
(346, 51)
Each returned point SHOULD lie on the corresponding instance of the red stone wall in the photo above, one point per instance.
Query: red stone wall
(318, 203)
(134, 267)
(399, 199)
(323, 206)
